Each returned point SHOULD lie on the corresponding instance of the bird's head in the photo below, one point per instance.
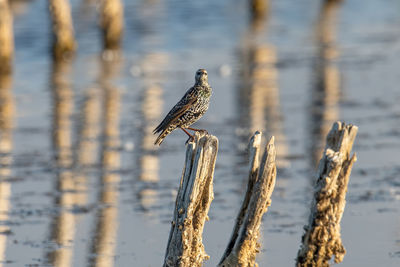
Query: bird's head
(201, 76)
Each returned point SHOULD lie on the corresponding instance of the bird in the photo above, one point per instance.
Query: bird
(188, 110)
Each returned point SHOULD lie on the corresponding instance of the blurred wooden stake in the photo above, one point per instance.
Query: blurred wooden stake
(243, 246)
(321, 240)
(258, 8)
(63, 32)
(6, 38)
(185, 247)
(111, 21)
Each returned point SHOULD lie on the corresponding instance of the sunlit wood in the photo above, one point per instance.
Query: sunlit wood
(244, 243)
(185, 246)
(321, 242)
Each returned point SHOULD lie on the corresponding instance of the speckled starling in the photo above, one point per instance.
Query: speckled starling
(188, 110)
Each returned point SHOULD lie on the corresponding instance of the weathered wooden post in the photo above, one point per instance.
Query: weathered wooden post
(321, 239)
(185, 247)
(111, 21)
(6, 38)
(63, 32)
(243, 246)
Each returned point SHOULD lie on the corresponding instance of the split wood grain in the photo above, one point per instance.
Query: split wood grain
(244, 246)
(185, 247)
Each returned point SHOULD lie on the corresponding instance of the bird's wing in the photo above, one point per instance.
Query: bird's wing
(178, 110)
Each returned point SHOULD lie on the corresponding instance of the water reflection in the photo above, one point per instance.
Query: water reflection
(106, 225)
(151, 67)
(63, 224)
(149, 160)
(6, 145)
(88, 142)
(151, 111)
(326, 89)
(259, 101)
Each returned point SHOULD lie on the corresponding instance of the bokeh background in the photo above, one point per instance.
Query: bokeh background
(82, 183)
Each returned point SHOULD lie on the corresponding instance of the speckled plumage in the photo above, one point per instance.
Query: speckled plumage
(189, 109)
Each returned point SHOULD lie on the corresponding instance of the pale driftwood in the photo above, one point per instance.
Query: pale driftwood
(243, 246)
(185, 247)
(6, 38)
(63, 32)
(321, 240)
(111, 21)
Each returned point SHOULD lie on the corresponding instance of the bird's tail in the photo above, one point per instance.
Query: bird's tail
(162, 135)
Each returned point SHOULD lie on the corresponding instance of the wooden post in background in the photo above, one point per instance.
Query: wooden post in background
(321, 240)
(258, 8)
(243, 246)
(6, 38)
(63, 32)
(185, 247)
(111, 21)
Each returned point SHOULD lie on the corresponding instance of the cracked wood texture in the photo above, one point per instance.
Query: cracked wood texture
(321, 240)
(243, 246)
(195, 193)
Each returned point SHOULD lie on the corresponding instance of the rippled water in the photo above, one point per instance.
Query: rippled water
(84, 185)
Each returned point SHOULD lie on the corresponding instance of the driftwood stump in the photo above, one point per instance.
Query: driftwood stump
(185, 247)
(244, 246)
(321, 239)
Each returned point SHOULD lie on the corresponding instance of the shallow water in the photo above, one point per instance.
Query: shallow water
(83, 183)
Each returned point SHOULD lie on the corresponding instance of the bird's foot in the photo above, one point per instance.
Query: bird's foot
(203, 131)
(198, 130)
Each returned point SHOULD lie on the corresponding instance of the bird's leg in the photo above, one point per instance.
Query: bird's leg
(197, 130)
(190, 136)
(183, 129)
